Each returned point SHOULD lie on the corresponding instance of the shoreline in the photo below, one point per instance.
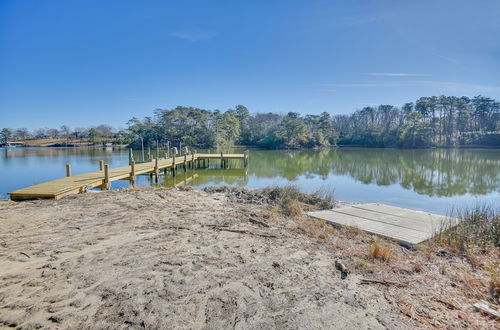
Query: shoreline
(124, 146)
(218, 258)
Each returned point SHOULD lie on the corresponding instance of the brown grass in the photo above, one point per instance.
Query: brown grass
(479, 229)
(495, 282)
(292, 202)
(319, 229)
(441, 279)
(380, 252)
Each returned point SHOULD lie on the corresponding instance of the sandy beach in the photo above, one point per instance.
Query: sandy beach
(187, 258)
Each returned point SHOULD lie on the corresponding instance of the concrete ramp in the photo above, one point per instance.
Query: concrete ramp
(404, 225)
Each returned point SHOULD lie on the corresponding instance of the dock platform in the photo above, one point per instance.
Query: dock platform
(406, 226)
(74, 184)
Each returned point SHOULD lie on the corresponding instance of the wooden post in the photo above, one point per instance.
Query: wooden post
(185, 161)
(192, 161)
(101, 165)
(68, 170)
(173, 164)
(221, 160)
(132, 172)
(156, 170)
(149, 153)
(106, 177)
(130, 156)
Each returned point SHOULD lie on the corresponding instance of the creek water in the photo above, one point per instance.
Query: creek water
(434, 180)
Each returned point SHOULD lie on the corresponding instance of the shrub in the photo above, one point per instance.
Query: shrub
(479, 227)
(290, 198)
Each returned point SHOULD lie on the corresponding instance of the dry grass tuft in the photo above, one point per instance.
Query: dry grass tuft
(291, 201)
(362, 264)
(354, 230)
(494, 286)
(380, 252)
(319, 229)
(479, 228)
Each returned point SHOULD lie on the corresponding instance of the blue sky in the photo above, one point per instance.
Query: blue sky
(84, 63)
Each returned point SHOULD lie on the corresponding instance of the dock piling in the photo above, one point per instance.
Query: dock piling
(101, 165)
(174, 169)
(106, 177)
(68, 170)
(132, 172)
(130, 155)
(245, 158)
(156, 170)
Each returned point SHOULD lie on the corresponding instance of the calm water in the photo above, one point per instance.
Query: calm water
(434, 180)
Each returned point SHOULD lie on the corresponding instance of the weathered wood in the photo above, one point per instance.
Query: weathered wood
(101, 165)
(106, 177)
(245, 158)
(384, 282)
(132, 169)
(174, 170)
(156, 170)
(68, 170)
(487, 308)
(132, 173)
(405, 225)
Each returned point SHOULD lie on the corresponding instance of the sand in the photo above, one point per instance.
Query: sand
(173, 258)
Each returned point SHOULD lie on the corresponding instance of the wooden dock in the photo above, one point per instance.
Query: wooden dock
(406, 226)
(74, 184)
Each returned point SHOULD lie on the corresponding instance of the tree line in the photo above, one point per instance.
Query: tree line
(429, 121)
(99, 134)
(435, 121)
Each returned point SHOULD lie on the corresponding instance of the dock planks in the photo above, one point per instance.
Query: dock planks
(82, 182)
(404, 225)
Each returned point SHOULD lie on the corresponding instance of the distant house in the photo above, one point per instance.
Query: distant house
(13, 144)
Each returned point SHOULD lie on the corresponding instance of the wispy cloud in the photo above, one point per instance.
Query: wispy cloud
(363, 85)
(437, 86)
(449, 59)
(192, 34)
(397, 74)
(463, 88)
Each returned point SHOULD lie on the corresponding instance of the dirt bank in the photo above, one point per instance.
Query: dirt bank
(187, 258)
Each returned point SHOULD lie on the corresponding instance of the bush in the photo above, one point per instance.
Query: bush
(479, 227)
(290, 198)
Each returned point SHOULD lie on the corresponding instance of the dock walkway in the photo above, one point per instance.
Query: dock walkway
(74, 184)
(406, 226)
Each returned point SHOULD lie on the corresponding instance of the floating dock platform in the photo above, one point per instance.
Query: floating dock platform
(406, 226)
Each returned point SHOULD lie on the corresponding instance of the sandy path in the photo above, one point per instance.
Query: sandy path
(171, 259)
